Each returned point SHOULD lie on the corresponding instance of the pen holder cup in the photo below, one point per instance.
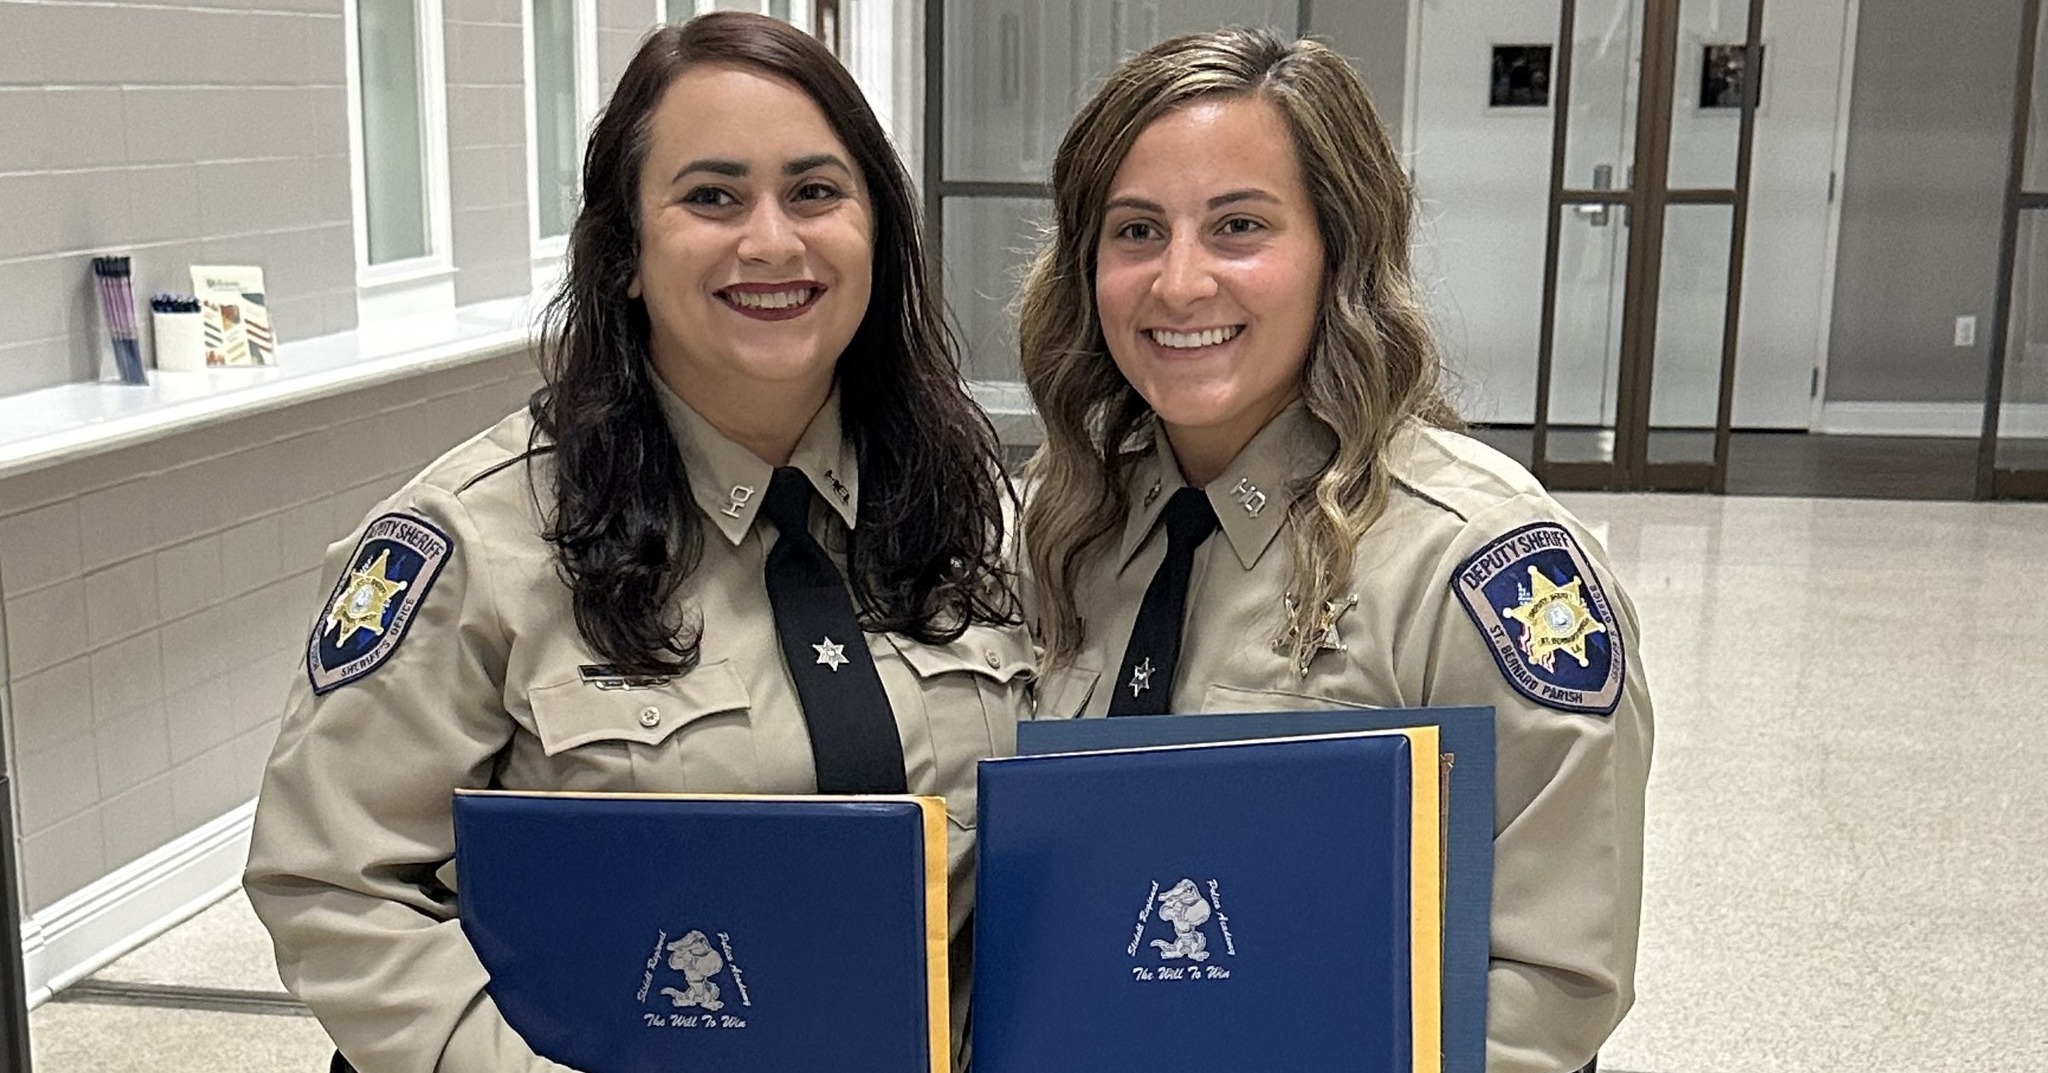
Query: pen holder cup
(180, 340)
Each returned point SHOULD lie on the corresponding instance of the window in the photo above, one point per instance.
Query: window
(398, 138)
(560, 74)
(394, 144)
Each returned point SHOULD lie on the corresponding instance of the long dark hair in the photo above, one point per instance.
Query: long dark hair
(926, 557)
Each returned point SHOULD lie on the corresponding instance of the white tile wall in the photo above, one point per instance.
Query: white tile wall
(620, 26)
(45, 627)
(138, 821)
(487, 149)
(126, 676)
(66, 856)
(46, 545)
(113, 122)
(154, 598)
(52, 707)
(188, 576)
(157, 598)
(121, 600)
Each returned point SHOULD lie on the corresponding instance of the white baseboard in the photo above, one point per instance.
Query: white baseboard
(135, 903)
(1943, 419)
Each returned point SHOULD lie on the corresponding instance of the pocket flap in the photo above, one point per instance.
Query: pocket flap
(998, 654)
(578, 712)
(1064, 693)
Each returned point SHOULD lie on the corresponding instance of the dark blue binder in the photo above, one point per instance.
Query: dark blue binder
(1209, 908)
(629, 933)
(1466, 735)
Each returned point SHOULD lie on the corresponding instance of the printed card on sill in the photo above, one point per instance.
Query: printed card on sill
(237, 325)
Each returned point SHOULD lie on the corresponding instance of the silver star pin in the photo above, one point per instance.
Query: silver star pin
(1141, 677)
(1323, 637)
(831, 655)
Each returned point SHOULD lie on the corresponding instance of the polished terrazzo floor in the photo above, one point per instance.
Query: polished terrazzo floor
(1846, 861)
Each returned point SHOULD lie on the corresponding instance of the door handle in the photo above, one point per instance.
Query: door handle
(1598, 215)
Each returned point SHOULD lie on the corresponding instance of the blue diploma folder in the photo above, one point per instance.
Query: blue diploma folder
(628, 933)
(1221, 908)
(1466, 734)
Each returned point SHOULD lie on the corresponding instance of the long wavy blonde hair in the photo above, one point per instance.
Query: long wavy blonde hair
(1372, 362)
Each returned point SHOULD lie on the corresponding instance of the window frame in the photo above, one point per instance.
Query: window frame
(549, 250)
(415, 285)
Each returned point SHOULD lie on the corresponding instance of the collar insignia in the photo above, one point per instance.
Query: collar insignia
(739, 496)
(1248, 496)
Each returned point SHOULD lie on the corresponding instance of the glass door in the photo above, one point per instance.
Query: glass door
(2012, 460)
(1591, 223)
(1642, 283)
(1004, 77)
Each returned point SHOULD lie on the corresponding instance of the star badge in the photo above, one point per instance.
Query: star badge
(363, 601)
(1322, 637)
(1141, 677)
(1554, 619)
(831, 655)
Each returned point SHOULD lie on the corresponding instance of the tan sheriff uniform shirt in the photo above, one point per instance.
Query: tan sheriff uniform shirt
(350, 867)
(1568, 811)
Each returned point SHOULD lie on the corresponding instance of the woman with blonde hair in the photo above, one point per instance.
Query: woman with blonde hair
(1222, 332)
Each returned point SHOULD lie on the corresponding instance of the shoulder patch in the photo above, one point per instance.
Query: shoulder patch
(1535, 599)
(374, 602)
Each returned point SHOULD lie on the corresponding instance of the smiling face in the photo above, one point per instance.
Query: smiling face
(1208, 274)
(756, 243)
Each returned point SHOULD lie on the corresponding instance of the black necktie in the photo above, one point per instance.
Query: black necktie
(853, 731)
(1147, 673)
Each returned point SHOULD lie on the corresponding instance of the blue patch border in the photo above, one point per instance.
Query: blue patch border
(415, 598)
(1596, 596)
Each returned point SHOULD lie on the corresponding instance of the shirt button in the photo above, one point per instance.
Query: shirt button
(994, 660)
(650, 717)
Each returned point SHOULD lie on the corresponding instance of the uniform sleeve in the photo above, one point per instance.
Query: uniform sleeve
(348, 863)
(1568, 809)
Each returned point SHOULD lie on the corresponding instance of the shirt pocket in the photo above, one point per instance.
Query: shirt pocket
(974, 690)
(1065, 693)
(606, 736)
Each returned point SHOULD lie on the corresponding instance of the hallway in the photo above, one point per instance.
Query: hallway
(1843, 863)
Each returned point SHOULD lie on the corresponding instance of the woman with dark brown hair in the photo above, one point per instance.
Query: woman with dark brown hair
(1253, 494)
(748, 538)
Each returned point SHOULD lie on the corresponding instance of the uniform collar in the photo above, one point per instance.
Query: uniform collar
(730, 482)
(1252, 496)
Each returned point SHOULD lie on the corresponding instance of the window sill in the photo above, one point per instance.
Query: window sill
(63, 424)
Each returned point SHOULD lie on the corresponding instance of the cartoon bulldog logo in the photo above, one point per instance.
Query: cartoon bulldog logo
(1186, 909)
(693, 956)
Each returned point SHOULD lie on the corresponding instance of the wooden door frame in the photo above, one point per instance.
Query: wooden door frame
(1994, 482)
(1646, 200)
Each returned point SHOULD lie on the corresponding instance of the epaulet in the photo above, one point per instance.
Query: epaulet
(502, 466)
(1454, 472)
(496, 449)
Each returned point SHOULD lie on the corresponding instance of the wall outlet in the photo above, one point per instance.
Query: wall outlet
(1966, 331)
